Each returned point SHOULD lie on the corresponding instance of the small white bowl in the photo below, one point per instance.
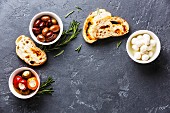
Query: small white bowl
(11, 86)
(51, 14)
(129, 48)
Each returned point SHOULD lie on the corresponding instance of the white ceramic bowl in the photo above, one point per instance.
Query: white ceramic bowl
(51, 14)
(129, 46)
(11, 86)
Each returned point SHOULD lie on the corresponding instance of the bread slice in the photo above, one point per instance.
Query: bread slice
(110, 27)
(27, 51)
(100, 24)
(90, 20)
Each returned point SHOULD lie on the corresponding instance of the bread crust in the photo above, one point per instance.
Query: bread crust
(27, 51)
(90, 20)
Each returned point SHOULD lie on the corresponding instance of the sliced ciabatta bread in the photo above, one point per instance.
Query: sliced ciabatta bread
(27, 51)
(100, 24)
(110, 27)
(90, 20)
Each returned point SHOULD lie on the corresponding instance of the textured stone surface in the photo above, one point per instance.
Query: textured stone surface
(99, 79)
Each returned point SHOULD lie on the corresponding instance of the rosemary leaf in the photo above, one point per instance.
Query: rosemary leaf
(61, 52)
(43, 87)
(98, 11)
(47, 83)
(78, 48)
(78, 8)
(46, 91)
(118, 44)
(68, 14)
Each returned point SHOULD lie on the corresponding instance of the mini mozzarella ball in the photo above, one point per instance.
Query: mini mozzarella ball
(146, 41)
(139, 37)
(146, 36)
(149, 48)
(152, 43)
(134, 40)
(145, 57)
(150, 54)
(137, 55)
(139, 43)
(134, 47)
(143, 48)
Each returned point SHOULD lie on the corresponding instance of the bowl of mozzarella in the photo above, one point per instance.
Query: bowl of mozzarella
(143, 46)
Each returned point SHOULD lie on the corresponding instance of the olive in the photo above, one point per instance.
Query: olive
(25, 92)
(37, 23)
(45, 31)
(41, 38)
(26, 74)
(45, 18)
(53, 37)
(49, 34)
(42, 25)
(36, 30)
(54, 21)
(55, 28)
(49, 23)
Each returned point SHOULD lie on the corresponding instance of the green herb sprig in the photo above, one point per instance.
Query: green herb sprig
(67, 36)
(118, 44)
(98, 12)
(79, 9)
(43, 87)
(61, 52)
(68, 14)
(78, 48)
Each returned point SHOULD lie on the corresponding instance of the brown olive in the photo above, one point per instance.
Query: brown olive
(49, 34)
(36, 30)
(45, 18)
(45, 31)
(53, 37)
(26, 74)
(42, 25)
(55, 28)
(49, 23)
(41, 38)
(37, 23)
(54, 21)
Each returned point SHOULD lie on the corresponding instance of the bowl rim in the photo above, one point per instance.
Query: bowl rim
(11, 86)
(154, 36)
(38, 15)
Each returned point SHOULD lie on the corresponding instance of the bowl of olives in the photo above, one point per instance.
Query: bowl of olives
(46, 28)
(24, 82)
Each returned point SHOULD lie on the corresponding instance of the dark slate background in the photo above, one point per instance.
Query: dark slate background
(99, 79)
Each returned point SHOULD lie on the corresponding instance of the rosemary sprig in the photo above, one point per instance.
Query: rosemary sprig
(78, 48)
(118, 44)
(43, 88)
(73, 31)
(61, 52)
(79, 9)
(48, 82)
(46, 91)
(67, 36)
(68, 14)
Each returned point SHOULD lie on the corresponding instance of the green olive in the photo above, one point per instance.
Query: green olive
(26, 74)
(54, 21)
